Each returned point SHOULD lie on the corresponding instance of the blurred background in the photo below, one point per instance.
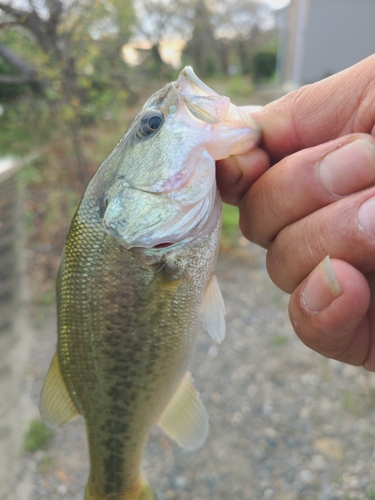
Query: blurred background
(285, 423)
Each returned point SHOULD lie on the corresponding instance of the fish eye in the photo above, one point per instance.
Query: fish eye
(150, 122)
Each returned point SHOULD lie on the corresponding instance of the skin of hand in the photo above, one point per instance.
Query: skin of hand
(317, 200)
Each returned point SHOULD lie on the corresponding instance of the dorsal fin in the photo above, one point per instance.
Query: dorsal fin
(56, 405)
(213, 311)
(185, 418)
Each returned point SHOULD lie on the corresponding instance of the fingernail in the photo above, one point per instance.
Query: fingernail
(369, 365)
(349, 168)
(322, 287)
(366, 216)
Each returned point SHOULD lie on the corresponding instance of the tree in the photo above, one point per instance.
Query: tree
(238, 21)
(159, 20)
(72, 49)
(201, 49)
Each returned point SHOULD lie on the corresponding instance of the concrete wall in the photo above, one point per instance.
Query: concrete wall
(326, 36)
(9, 280)
(9, 285)
(290, 25)
(339, 33)
(11, 359)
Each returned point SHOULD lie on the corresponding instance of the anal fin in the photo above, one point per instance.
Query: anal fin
(213, 311)
(56, 405)
(185, 419)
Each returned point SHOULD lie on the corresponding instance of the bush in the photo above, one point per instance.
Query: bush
(264, 64)
(9, 91)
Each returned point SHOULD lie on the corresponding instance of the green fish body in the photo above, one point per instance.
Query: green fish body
(135, 281)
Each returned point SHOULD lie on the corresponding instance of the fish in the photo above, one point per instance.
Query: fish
(136, 280)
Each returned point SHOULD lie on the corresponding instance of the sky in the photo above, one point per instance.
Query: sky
(277, 4)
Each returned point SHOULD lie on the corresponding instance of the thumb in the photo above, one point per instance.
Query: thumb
(314, 114)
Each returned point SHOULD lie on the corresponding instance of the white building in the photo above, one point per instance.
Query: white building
(321, 37)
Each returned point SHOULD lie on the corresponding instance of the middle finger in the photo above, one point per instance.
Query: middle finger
(305, 182)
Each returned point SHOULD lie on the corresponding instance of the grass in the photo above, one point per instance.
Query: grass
(371, 494)
(279, 340)
(38, 437)
(45, 465)
(230, 232)
(349, 402)
(239, 88)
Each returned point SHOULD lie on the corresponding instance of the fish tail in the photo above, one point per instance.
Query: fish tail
(145, 492)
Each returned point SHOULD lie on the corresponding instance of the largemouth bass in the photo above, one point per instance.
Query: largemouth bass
(137, 277)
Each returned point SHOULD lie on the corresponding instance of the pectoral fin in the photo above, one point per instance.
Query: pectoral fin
(213, 311)
(56, 405)
(185, 419)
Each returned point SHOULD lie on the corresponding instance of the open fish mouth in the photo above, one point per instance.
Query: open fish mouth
(165, 190)
(207, 105)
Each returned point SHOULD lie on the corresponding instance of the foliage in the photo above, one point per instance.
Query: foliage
(38, 436)
(9, 91)
(69, 53)
(237, 27)
(51, 193)
(264, 64)
(20, 128)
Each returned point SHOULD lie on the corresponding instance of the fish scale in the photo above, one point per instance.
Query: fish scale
(134, 282)
(123, 360)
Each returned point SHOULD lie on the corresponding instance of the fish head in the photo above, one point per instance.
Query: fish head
(162, 190)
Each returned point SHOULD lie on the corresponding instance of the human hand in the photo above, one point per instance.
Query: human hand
(318, 199)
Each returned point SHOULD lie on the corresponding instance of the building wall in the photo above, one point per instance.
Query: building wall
(326, 36)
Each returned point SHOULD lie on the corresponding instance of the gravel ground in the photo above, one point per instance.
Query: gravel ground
(285, 423)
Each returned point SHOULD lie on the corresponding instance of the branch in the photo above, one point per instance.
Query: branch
(32, 21)
(27, 72)
(6, 24)
(16, 80)
(17, 13)
(55, 8)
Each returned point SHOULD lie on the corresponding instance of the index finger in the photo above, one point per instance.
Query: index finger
(341, 104)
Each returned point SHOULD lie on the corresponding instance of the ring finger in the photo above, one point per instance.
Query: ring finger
(343, 230)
